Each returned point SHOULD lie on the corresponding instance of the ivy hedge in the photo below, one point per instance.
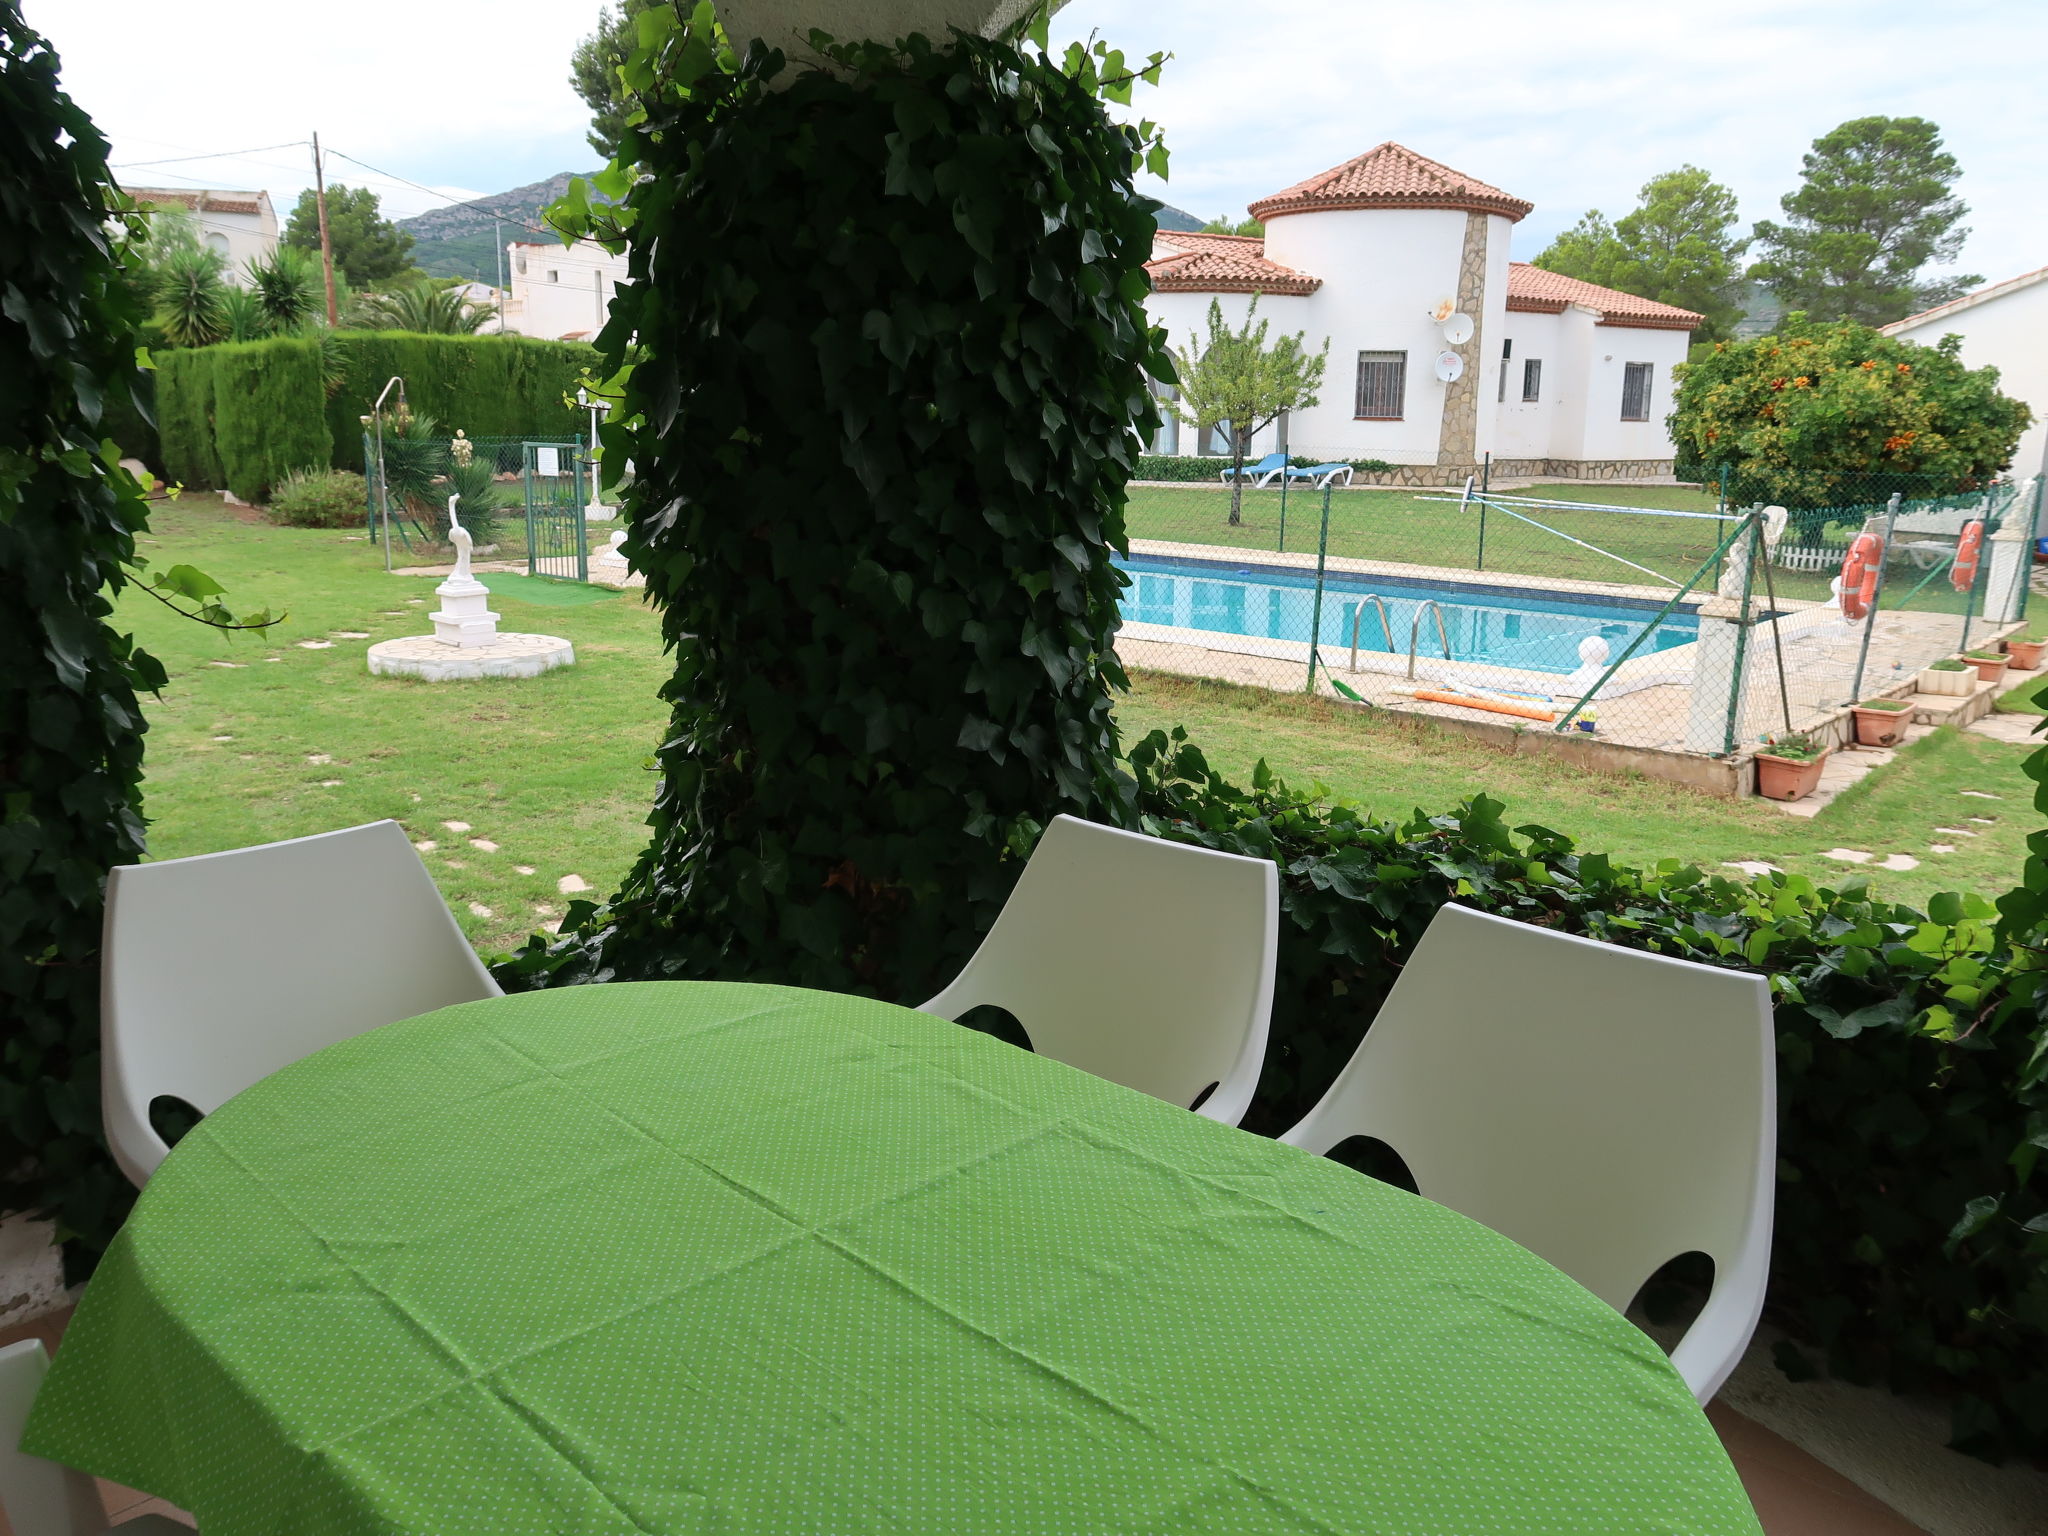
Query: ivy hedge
(244, 414)
(897, 370)
(1911, 1243)
(70, 726)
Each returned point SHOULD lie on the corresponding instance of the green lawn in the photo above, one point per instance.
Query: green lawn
(1431, 528)
(257, 738)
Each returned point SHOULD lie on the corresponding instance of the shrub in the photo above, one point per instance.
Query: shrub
(1911, 1242)
(1832, 415)
(1168, 466)
(320, 498)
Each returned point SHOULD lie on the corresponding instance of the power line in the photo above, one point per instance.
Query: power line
(224, 154)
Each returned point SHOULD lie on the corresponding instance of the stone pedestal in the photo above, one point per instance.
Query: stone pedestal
(464, 617)
(436, 661)
(1713, 677)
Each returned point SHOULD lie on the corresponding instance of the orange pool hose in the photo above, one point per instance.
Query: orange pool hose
(1525, 711)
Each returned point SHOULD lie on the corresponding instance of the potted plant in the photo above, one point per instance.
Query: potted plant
(1990, 665)
(1789, 766)
(1881, 722)
(2025, 654)
(1946, 676)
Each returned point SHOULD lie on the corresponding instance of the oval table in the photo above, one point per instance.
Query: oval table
(697, 1257)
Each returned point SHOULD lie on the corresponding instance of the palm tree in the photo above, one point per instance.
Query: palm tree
(243, 317)
(420, 307)
(189, 296)
(287, 287)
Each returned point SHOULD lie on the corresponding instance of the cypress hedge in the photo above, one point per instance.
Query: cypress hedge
(242, 414)
(489, 386)
(267, 413)
(184, 417)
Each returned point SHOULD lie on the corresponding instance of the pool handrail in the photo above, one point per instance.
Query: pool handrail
(1415, 632)
(1358, 613)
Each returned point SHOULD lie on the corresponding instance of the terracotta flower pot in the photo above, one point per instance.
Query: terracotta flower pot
(1787, 778)
(2025, 655)
(1989, 669)
(1881, 727)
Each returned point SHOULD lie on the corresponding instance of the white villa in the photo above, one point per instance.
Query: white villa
(240, 226)
(2004, 326)
(1442, 351)
(558, 292)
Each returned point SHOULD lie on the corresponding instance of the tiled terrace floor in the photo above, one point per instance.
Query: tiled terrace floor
(1794, 1494)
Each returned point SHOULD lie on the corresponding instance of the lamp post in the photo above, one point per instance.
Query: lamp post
(597, 511)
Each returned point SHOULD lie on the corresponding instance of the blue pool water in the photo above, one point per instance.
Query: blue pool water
(1530, 628)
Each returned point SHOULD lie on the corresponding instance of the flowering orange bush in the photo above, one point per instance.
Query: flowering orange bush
(1863, 415)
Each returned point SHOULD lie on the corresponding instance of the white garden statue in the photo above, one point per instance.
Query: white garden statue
(1593, 653)
(464, 617)
(1735, 575)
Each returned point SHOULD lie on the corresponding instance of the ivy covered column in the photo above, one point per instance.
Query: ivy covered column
(70, 727)
(889, 367)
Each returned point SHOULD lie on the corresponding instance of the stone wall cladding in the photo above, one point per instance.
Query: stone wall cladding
(1523, 469)
(1458, 434)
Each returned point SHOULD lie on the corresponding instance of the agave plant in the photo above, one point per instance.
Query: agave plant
(243, 317)
(288, 287)
(420, 307)
(190, 296)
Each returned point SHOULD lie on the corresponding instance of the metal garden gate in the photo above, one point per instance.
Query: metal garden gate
(556, 543)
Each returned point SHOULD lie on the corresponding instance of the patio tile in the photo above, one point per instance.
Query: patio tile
(1794, 1494)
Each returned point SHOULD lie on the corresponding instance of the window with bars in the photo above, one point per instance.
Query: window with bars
(1532, 378)
(1382, 385)
(1507, 350)
(1635, 391)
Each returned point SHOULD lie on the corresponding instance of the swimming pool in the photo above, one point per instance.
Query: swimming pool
(1531, 629)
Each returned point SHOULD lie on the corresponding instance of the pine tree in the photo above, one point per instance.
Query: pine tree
(1874, 210)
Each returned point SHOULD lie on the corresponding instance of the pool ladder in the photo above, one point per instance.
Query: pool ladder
(1415, 632)
(1358, 615)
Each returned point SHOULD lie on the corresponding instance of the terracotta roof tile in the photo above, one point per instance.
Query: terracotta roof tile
(1532, 290)
(1198, 263)
(1390, 176)
(199, 201)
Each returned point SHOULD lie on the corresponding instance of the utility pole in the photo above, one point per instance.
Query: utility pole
(326, 245)
(498, 240)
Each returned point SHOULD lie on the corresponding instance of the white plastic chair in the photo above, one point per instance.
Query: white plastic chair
(1146, 962)
(218, 970)
(1607, 1108)
(42, 1498)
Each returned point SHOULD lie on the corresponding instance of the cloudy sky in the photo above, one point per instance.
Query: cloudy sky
(1568, 103)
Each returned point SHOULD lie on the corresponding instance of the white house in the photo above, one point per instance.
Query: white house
(2005, 327)
(1549, 375)
(241, 226)
(560, 292)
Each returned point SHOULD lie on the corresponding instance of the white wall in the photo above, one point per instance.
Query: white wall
(1186, 319)
(1523, 430)
(558, 290)
(1606, 435)
(2009, 333)
(1381, 271)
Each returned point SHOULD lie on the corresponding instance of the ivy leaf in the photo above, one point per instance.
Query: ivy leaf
(1976, 1217)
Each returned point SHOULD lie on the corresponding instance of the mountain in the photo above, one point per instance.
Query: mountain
(462, 241)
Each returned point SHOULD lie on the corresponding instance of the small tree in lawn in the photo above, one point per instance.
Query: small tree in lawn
(1240, 381)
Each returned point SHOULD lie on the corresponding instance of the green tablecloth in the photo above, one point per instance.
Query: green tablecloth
(739, 1259)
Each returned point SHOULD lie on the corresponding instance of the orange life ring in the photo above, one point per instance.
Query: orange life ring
(1963, 574)
(1859, 575)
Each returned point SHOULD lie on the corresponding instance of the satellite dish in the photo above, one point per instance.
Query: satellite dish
(1443, 308)
(1449, 367)
(1458, 329)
